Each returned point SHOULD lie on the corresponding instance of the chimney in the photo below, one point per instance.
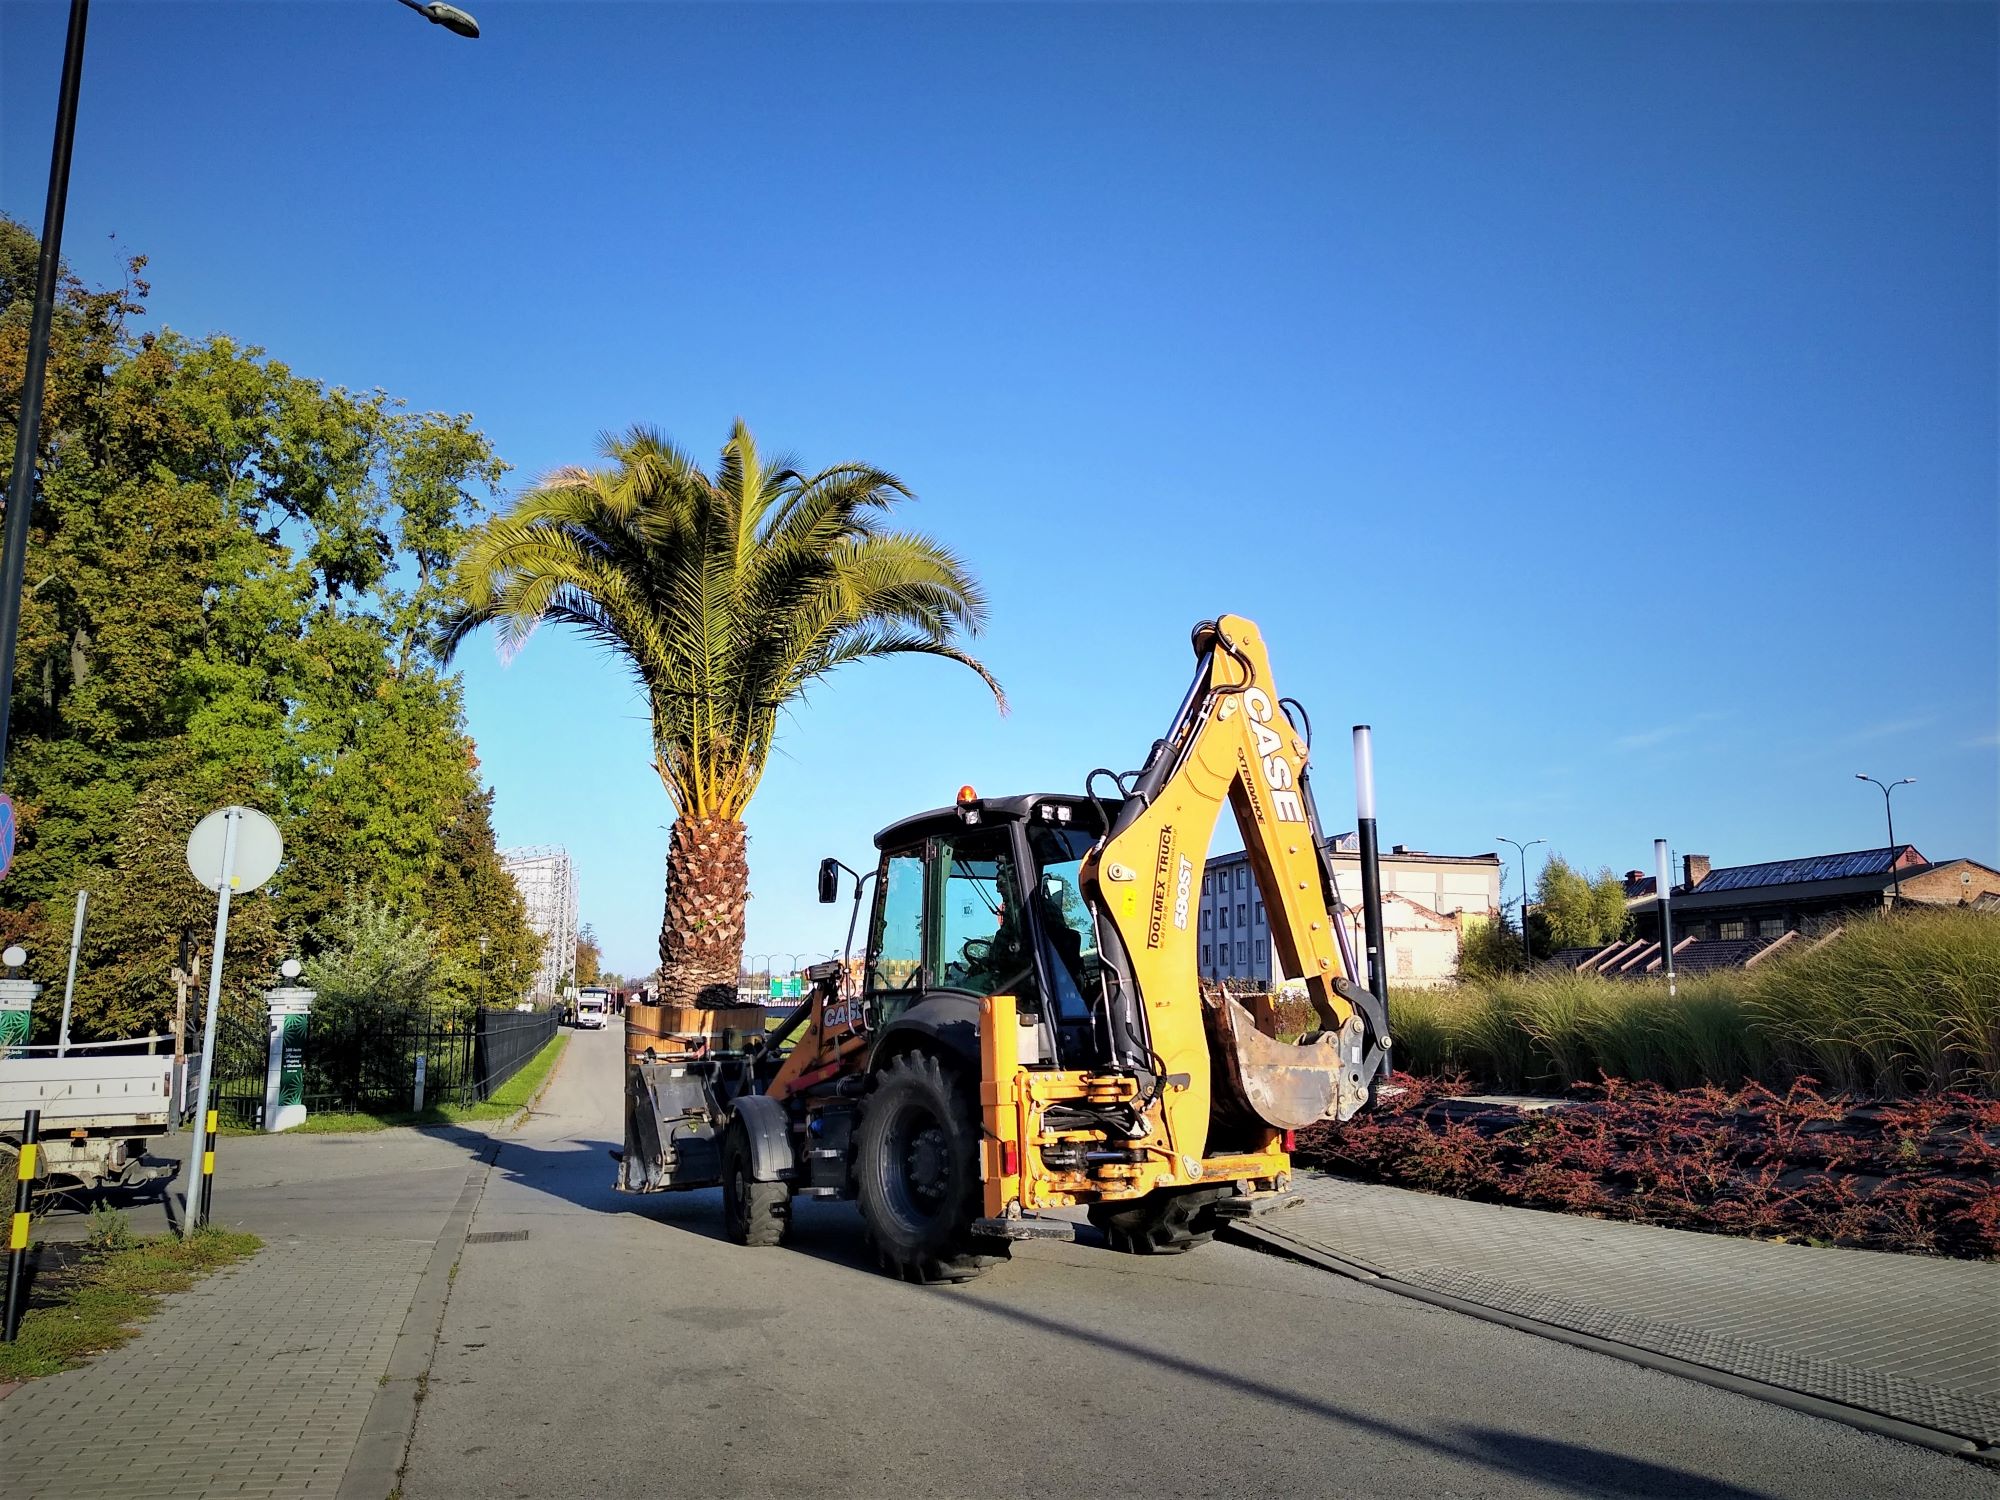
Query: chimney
(1633, 877)
(1696, 866)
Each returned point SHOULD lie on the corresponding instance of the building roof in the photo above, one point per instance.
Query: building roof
(1347, 844)
(1801, 871)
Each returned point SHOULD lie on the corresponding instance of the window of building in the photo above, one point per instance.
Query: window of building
(1242, 915)
(1727, 930)
(1770, 927)
(1224, 921)
(1242, 953)
(1242, 875)
(1207, 956)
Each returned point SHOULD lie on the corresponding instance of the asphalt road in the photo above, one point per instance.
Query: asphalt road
(625, 1348)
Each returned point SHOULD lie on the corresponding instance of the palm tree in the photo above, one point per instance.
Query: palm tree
(728, 595)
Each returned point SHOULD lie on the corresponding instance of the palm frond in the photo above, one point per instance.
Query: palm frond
(727, 593)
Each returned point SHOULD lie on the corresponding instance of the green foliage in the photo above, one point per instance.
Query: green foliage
(380, 968)
(1574, 912)
(109, 1229)
(1889, 1004)
(1490, 947)
(728, 595)
(589, 956)
(236, 584)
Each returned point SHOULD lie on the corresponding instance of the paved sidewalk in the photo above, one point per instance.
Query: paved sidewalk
(1904, 1337)
(257, 1381)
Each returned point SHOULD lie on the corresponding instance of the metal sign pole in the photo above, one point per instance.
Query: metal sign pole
(69, 984)
(191, 1201)
(1664, 879)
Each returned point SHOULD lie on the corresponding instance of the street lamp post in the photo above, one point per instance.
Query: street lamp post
(1524, 848)
(1889, 811)
(28, 427)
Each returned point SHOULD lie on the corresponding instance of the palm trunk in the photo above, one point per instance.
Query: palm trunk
(701, 934)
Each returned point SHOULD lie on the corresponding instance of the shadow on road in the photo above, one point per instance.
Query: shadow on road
(1571, 1467)
(580, 1171)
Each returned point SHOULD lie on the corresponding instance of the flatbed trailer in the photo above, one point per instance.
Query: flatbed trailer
(99, 1115)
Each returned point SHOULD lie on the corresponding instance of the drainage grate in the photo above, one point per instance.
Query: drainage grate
(496, 1236)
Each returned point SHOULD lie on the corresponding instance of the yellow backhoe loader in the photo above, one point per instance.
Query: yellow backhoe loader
(1028, 1032)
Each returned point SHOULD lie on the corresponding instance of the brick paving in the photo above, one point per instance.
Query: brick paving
(1903, 1336)
(252, 1383)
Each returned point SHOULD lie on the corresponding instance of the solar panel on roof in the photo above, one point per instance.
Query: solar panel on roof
(1793, 871)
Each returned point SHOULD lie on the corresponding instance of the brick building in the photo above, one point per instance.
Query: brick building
(1804, 895)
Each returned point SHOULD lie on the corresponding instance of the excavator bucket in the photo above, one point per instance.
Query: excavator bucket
(1287, 1085)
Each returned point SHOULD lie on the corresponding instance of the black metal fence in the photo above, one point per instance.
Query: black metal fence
(364, 1067)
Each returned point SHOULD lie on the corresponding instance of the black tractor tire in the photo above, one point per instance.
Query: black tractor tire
(753, 1213)
(917, 1171)
(1169, 1221)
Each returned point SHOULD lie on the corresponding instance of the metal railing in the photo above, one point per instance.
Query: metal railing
(366, 1068)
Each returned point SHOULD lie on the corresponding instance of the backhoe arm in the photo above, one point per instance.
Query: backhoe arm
(1232, 742)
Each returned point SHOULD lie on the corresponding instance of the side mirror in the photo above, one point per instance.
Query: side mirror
(829, 881)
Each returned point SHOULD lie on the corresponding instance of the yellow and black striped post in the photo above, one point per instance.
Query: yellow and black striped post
(207, 1170)
(17, 1228)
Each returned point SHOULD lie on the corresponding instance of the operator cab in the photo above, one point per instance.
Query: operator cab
(982, 898)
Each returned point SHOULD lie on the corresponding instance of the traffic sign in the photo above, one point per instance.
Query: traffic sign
(258, 849)
(6, 834)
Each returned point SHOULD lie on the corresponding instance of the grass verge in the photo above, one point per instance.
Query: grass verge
(103, 1298)
(512, 1095)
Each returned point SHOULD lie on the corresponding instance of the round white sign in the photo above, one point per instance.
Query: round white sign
(258, 849)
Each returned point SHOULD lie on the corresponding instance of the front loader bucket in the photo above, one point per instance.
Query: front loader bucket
(670, 1110)
(1287, 1085)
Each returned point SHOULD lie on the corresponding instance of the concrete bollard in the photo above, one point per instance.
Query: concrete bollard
(285, 1068)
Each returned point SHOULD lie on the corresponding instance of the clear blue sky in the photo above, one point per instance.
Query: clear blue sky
(1598, 399)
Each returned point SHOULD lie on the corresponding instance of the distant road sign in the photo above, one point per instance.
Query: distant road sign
(258, 849)
(6, 834)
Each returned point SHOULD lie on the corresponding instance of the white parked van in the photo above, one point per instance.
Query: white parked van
(593, 1008)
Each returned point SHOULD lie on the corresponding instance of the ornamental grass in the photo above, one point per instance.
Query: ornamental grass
(1886, 1007)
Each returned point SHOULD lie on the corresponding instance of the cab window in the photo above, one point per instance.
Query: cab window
(979, 943)
(898, 938)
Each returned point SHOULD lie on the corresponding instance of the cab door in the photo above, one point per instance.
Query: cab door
(894, 980)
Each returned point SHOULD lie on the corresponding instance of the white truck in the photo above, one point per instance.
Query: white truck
(99, 1113)
(593, 1008)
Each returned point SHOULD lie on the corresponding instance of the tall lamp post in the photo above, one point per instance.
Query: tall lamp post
(28, 429)
(1889, 811)
(1523, 850)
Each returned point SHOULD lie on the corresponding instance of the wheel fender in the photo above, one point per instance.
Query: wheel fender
(946, 1024)
(770, 1136)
